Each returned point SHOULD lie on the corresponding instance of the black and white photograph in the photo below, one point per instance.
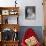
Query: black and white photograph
(30, 12)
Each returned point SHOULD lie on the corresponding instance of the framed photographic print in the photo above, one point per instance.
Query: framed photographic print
(30, 12)
(13, 12)
(5, 12)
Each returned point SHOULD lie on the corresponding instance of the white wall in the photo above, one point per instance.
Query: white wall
(22, 4)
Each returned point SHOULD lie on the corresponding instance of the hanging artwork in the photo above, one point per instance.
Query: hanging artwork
(30, 12)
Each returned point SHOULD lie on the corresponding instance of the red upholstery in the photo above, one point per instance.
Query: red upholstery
(29, 33)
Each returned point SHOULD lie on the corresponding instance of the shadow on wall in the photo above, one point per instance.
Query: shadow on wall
(37, 29)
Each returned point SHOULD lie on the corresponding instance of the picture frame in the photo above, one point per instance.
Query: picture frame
(30, 12)
(5, 12)
(13, 12)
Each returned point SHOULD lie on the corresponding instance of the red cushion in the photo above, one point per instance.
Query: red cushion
(28, 33)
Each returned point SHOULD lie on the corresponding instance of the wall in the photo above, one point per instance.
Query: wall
(39, 15)
(22, 4)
